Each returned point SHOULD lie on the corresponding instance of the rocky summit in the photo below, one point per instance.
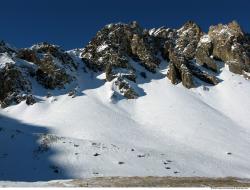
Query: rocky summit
(119, 51)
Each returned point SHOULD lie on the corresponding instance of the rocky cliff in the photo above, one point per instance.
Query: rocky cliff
(191, 56)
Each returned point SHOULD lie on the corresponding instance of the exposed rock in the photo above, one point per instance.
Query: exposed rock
(117, 50)
(190, 43)
(142, 52)
(30, 100)
(173, 74)
(204, 52)
(178, 69)
(55, 51)
(113, 71)
(113, 49)
(14, 85)
(162, 38)
(123, 88)
(109, 46)
(113, 46)
(188, 38)
(52, 64)
(73, 92)
(181, 69)
(28, 55)
(116, 43)
(202, 75)
(51, 75)
(230, 44)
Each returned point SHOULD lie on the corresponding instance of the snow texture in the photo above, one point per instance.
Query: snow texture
(167, 131)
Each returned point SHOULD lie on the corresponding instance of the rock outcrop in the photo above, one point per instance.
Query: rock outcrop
(187, 45)
(52, 64)
(122, 87)
(15, 87)
(115, 46)
(188, 38)
(204, 53)
(124, 53)
(231, 45)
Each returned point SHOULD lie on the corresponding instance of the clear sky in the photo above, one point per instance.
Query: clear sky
(72, 23)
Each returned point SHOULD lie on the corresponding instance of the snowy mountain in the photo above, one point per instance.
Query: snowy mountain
(133, 102)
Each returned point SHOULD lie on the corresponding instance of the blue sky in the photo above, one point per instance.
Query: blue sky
(72, 23)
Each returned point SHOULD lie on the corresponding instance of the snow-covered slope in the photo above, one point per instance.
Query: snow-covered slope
(168, 131)
(116, 107)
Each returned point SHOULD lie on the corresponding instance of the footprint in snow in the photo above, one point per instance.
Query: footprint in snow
(96, 154)
(141, 155)
(167, 162)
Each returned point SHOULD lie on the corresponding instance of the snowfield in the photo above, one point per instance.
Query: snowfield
(168, 131)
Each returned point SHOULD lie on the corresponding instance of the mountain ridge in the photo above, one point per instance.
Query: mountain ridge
(117, 49)
(129, 104)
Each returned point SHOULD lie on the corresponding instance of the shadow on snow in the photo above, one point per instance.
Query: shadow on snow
(21, 155)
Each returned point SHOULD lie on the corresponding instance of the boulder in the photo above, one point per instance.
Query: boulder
(123, 88)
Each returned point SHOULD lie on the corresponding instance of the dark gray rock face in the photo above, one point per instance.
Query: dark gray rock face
(14, 86)
(125, 89)
(52, 63)
(51, 75)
